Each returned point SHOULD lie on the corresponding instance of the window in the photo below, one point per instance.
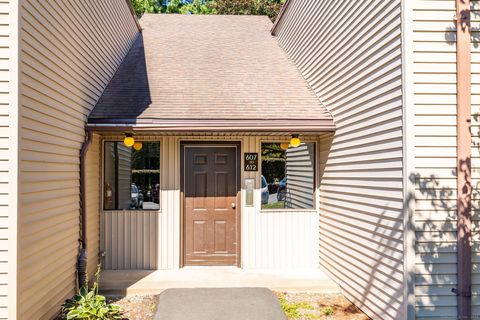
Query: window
(288, 176)
(132, 178)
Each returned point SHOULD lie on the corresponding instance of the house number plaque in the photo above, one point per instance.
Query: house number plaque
(251, 161)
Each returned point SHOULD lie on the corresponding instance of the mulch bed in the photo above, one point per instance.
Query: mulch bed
(307, 306)
(137, 307)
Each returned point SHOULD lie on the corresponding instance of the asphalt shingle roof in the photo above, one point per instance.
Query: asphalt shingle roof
(209, 71)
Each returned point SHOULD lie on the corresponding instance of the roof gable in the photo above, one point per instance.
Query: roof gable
(208, 68)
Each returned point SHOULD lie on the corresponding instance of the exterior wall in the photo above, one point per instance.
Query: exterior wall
(270, 239)
(276, 239)
(350, 54)
(434, 174)
(129, 240)
(92, 204)
(8, 156)
(70, 50)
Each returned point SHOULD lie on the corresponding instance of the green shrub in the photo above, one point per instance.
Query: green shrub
(328, 311)
(295, 310)
(89, 305)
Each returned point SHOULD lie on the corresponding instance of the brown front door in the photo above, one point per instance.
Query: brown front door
(210, 185)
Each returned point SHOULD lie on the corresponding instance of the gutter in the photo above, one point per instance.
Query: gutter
(215, 125)
(82, 256)
(464, 140)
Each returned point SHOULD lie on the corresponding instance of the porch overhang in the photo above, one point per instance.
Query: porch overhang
(208, 74)
(215, 125)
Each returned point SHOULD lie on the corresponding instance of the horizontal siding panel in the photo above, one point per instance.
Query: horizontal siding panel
(435, 142)
(93, 194)
(7, 104)
(350, 54)
(69, 53)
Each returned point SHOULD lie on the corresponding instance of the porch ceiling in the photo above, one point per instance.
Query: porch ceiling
(209, 73)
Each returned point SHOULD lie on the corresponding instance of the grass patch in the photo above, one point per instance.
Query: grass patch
(274, 205)
(296, 310)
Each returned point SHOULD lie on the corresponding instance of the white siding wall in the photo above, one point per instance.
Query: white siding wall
(276, 239)
(434, 175)
(350, 53)
(8, 156)
(69, 51)
(270, 240)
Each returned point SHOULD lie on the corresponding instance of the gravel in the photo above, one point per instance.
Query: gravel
(137, 307)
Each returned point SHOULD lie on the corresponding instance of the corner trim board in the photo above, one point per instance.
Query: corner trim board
(464, 139)
(408, 115)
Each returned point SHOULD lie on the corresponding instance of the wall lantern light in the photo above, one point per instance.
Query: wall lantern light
(295, 141)
(284, 145)
(137, 145)
(128, 140)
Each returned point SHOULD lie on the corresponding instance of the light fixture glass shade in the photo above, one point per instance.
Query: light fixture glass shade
(284, 145)
(295, 141)
(128, 141)
(137, 145)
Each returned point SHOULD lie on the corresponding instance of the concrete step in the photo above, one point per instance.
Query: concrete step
(146, 282)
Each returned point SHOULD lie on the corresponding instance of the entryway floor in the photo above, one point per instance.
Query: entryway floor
(219, 304)
(145, 282)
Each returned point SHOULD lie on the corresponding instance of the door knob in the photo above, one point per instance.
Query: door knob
(234, 205)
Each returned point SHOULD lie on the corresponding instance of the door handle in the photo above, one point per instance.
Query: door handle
(234, 205)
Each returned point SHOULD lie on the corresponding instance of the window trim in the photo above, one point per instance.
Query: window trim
(315, 207)
(102, 183)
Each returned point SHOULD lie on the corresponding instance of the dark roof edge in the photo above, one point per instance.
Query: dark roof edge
(279, 16)
(114, 74)
(218, 125)
(134, 16)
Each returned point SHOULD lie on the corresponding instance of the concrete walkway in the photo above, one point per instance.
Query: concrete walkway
(219, 304)
(141, 282)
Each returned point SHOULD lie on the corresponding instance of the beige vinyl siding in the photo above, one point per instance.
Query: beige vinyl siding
(92, 204)
(129, 240)
(8, 157)
(475, 5)
(434, 176)
(280, 239)
(69, 51)
(350, 54)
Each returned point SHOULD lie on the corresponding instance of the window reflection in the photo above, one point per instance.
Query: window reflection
(132, 178)
(287, 179)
